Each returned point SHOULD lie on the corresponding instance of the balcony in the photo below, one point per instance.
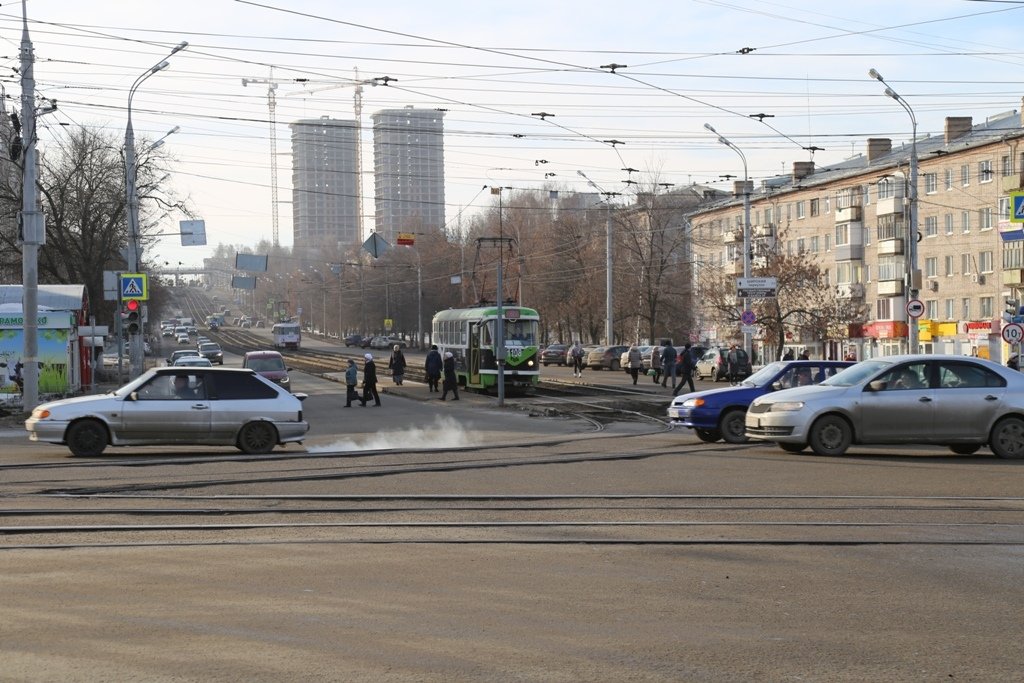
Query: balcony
(1012, 182)
(889, 205)
(890, 287)
(732, 237)
(850, 213)
(849, 252)
(763, 230)
(890, 247)
(1014, 277)
(850, 291)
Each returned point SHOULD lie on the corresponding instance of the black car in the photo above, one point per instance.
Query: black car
(213, 352)
(354, 340)
(554, 354)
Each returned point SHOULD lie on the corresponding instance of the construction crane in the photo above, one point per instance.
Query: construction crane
(272, 84)
(357, 111)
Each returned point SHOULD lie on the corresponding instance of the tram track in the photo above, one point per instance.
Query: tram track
(632, 519)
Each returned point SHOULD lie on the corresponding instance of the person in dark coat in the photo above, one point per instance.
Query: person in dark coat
(433, 364)
(451, 382)
(397, 365)
(668, 366)
(686, 366)
(351, 380)
(369, 382)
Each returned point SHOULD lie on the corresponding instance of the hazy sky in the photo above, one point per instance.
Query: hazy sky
(493, 65)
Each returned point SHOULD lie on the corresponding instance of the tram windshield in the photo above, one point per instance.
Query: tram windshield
(517, 333)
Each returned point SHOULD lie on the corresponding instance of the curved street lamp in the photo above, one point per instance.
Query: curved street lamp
(747, 339)
(135, 347)
(912, 277)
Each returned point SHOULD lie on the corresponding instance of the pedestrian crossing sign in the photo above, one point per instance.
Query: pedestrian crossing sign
(135, 286)
(1017, 207)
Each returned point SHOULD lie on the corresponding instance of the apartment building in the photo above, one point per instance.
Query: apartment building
(853, 218)
(324, 188)
(408, 163)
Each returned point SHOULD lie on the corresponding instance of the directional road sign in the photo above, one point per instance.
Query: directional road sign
(1013, 333)
(915, 308)
(756, 287)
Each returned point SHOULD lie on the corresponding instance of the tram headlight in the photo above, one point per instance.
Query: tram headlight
(530, 363)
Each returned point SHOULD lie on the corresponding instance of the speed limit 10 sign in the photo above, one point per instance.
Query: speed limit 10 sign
(1013, 333)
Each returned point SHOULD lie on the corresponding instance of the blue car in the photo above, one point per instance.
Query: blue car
(721, 413)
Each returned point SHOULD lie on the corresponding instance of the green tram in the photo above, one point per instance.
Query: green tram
(470, 335)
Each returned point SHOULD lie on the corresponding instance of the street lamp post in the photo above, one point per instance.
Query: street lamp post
(912, 277)
(747, 337)
(609, 328)
(135, 347)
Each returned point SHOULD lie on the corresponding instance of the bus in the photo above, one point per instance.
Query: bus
(470, 334)
(287, 335)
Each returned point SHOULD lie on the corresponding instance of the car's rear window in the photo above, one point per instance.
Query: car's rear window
(268, 364)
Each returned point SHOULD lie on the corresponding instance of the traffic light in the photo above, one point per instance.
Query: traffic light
(132, 317)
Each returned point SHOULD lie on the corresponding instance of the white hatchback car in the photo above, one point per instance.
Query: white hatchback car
(176, 406)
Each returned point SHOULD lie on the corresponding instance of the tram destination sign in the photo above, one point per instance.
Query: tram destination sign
(756, 287)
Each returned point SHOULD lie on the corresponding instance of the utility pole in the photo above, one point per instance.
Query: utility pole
(33, 229)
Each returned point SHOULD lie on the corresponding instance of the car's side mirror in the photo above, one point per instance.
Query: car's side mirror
(877, 385)
(777, 385)
(134, 396)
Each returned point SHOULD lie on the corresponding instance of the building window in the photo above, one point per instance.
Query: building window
(768, 216)
(800, 247)
(1003, 209)
(931, 226)
(965, 264)
(985, 262)
(891, 268)
(985, 171)
(965, 221)
(842, 234)
(965, 175)
(886, 188)
(985, 218)
(828, 204)
(1013, 255)
(800, 210)
(814, 244)
(986, 307)
(867, 195)
(815, 208)
(931, 267)
(949, 179)
(949, 266)
(932, 307)
(1006, 165)
(883, 309)
(950, 303)
(965, 309)
(931, 182)
(828, 242)
(949, 223)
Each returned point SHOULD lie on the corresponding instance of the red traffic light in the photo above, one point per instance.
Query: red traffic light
(132, 305)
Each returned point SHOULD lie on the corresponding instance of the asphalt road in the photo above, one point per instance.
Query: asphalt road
(458, 541)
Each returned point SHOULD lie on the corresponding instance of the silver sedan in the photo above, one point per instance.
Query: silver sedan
(956, 401)
(176, 406)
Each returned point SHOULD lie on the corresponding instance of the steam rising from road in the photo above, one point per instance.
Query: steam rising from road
(445, 432)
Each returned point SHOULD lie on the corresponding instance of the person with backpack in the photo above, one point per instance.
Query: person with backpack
(686, 365)
(577, 359)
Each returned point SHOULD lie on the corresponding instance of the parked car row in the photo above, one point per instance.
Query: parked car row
(960, 402)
